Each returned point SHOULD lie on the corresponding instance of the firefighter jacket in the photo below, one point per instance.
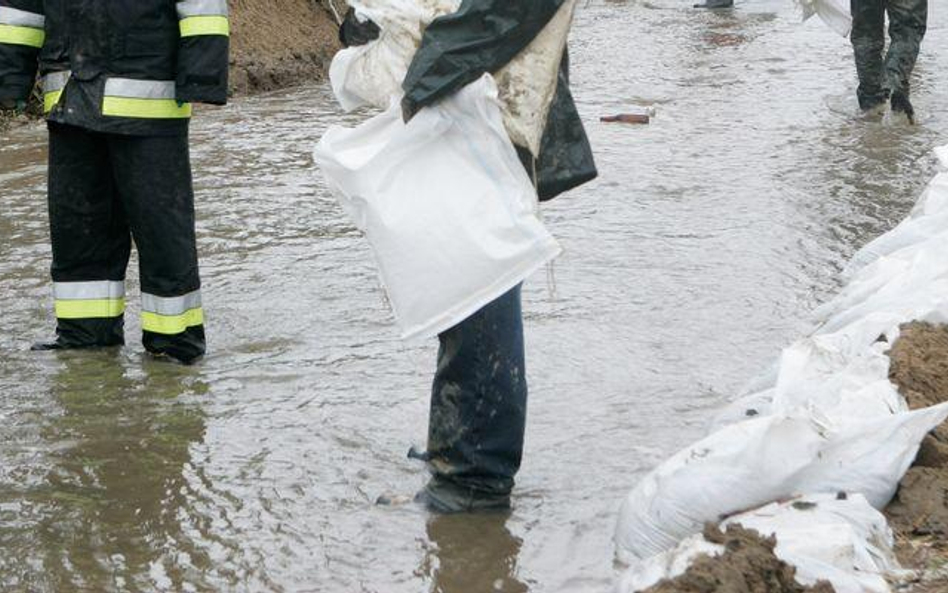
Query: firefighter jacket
(116, 66)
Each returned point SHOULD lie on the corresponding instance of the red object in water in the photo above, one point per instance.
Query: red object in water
(626, 118)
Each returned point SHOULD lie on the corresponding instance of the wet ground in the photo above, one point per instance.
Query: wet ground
(695, 257)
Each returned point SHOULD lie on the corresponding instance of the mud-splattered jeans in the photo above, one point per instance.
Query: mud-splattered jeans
(479, 401)
(878, 75)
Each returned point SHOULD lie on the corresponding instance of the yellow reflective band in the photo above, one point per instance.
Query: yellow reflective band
(205, 25)
(172, 324)
(90, 309)
(22, 35)
(50, 100)
(145, 108)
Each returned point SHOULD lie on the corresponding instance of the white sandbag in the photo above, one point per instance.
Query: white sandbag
(843, 541)
(752, 463)
(445, 203)
(837, 421)
(372, 74)
(835, 13)
(928, 219)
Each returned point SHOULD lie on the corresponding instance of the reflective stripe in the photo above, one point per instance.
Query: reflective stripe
(89, 300)
(145, 108)
(21, 18)
(139, 89)
(205, 25)
(22, 36)
(201, 8)
(91, 309)
(99, 289)
(172, 324)
(50, 100)
(53, 85)
(147, 99)
(171, 315)
(171, 305)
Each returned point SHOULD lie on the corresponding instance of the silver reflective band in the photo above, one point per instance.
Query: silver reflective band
(202, 8)
(55, 81)
(140, 89)
(88, 291)
(171, 305)
(21, 18)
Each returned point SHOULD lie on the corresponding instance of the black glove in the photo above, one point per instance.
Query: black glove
(352, 32)
(409, 109)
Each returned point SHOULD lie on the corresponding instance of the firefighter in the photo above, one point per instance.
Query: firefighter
(118, 79)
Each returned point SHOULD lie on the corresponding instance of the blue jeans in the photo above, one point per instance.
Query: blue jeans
(479, 401)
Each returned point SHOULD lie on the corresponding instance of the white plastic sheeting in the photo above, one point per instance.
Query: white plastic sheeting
(445, 203)
(372, 74)
(835, 13)
(829, 420)
(841, 540)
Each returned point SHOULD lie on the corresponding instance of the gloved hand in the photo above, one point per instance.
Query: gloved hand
(352, 32)
(409, 109)
(17, 106)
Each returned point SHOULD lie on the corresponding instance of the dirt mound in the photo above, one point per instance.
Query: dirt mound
(920, 370)
(919, 511)
(281, 43)
(748, 565)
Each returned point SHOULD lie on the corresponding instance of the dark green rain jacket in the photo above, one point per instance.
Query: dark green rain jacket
(484, 36)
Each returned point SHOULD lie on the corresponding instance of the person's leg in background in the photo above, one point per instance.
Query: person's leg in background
(90, 241)
(153, 178)
(868, 39)
(908, 22)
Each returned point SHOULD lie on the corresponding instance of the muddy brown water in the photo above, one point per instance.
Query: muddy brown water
(694, 258)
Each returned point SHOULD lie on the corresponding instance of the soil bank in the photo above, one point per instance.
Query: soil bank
(748, 565)
(281, 43)
(919, 511)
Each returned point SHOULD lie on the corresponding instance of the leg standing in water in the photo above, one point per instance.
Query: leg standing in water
(882, 77)
(908, 22)
(478, 410)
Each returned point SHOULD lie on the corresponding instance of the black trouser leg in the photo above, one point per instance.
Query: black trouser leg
(153, 178)
(868, 39)
(479, 401)
(90, 239)
(908, 21)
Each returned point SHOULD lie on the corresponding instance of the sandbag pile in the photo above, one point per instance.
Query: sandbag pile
(829, 424)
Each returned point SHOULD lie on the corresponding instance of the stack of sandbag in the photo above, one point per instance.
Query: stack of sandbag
(834, 537)
(829, 422)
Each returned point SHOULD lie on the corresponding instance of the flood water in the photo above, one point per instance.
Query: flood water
(695, 257)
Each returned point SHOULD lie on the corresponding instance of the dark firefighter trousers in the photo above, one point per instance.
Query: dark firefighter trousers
(104, 191)
(880, 74)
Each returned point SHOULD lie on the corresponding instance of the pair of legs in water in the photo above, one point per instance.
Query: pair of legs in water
(884, 75)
